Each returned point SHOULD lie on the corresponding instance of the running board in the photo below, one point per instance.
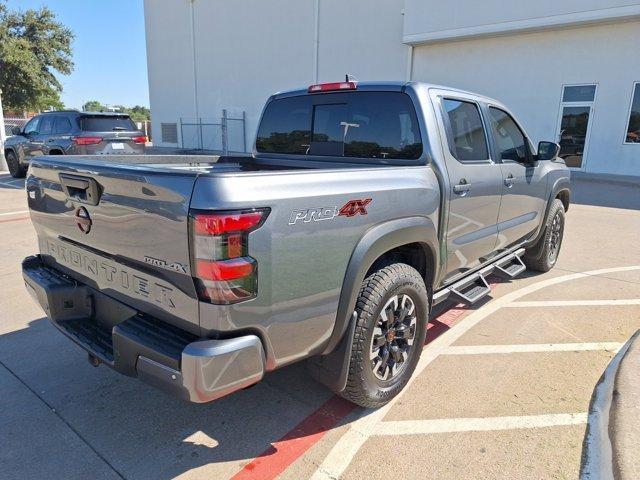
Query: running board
(510, 267)
(470, 290)
(474, 287)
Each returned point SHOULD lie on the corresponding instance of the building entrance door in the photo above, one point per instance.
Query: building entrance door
(574, 122)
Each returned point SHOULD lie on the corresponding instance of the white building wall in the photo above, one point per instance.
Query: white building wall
(169, 62)
(245, 50)
(435, 20)
(527, 71)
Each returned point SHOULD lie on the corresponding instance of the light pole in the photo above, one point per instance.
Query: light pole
(3, 161)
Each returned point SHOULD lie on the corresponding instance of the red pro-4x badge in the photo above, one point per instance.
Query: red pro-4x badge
(355, 207)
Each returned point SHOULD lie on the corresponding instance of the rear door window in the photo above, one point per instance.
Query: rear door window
(104, 123)
(62, 125)
(467, 138)
(46, 125)
(379, 125)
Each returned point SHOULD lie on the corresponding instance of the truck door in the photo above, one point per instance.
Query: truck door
(524, 189)
(475, 185)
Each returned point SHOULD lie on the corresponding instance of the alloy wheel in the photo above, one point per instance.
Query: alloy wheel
(393, 337)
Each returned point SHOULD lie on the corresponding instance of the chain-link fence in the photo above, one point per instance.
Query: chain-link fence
(225, 134)
(11, 122)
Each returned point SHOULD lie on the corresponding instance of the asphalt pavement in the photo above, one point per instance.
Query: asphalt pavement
(503, 389)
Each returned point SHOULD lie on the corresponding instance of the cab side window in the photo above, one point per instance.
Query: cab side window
(509, 138)
(46, 125)
(32, 125)
(467, 139)
(62, 125)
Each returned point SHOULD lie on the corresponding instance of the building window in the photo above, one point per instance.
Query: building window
(579, 93)
(633, 126)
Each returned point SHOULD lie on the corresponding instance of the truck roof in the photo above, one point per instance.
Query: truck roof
(387, 86)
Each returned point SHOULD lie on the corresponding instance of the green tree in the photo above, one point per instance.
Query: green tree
(93, 106)
(33, 45)
(139, 113)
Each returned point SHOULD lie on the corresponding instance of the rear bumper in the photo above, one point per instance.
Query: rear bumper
(134, 344)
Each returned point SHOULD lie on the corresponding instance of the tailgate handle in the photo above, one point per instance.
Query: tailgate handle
(81, 189)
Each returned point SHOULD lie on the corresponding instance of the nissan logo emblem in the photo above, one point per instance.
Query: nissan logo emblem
(83, 220)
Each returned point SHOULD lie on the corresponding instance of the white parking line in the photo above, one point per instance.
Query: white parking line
(574, 303)
(366, 422)
(449, 425)
(14, 213)
(532, 347)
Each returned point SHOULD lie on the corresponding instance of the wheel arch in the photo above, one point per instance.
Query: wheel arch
(411, 239)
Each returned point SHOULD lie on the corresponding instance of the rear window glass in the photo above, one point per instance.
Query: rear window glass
(106, 123)
(358, 124)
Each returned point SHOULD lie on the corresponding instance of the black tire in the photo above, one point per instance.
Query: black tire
(365, 385)
(543, 255)
(15, 169)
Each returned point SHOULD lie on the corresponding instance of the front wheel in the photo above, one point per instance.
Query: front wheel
(390, 332)
(543, 255)
(15, 169)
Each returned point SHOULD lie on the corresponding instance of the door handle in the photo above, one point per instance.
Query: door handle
(508, 182)
(462, 188)
(81, 189)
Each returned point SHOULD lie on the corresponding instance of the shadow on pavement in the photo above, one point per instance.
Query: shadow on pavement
(144, 433)
(604, 193)
(10, 183)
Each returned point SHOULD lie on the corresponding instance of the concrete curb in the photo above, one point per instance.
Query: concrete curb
(597, 452)
(624, 418)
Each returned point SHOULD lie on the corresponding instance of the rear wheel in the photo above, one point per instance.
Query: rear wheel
(543, 255)
(15, 169)
(390, 331)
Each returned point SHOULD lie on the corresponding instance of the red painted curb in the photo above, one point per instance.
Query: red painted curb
(283, 453)
(276, 459)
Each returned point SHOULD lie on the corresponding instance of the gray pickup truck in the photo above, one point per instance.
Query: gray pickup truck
(362, 206)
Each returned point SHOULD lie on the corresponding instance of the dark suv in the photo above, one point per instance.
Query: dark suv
(72, 133)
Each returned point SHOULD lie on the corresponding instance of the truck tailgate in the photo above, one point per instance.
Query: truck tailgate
(122, 229)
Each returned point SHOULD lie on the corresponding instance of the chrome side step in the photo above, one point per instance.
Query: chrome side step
(471, 289)
(475, 287)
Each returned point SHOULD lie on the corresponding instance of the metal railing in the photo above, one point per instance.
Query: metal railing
(225, 134)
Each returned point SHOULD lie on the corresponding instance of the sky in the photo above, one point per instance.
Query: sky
(109, 50)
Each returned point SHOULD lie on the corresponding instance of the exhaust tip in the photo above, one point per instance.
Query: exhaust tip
(93, 360)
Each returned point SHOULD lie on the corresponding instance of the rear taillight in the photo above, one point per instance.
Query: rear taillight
(87, 140)
(224, 271)
(142, 139)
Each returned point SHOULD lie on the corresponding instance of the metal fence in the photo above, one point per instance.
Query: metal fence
(225, 134)
(11, 122)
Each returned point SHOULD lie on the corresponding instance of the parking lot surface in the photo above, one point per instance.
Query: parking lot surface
(502, 390)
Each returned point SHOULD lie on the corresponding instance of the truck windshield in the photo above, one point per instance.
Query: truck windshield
(356, 124)
(104, 123)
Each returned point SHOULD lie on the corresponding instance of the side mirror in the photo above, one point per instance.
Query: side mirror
(548, 150)
(16, 130)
